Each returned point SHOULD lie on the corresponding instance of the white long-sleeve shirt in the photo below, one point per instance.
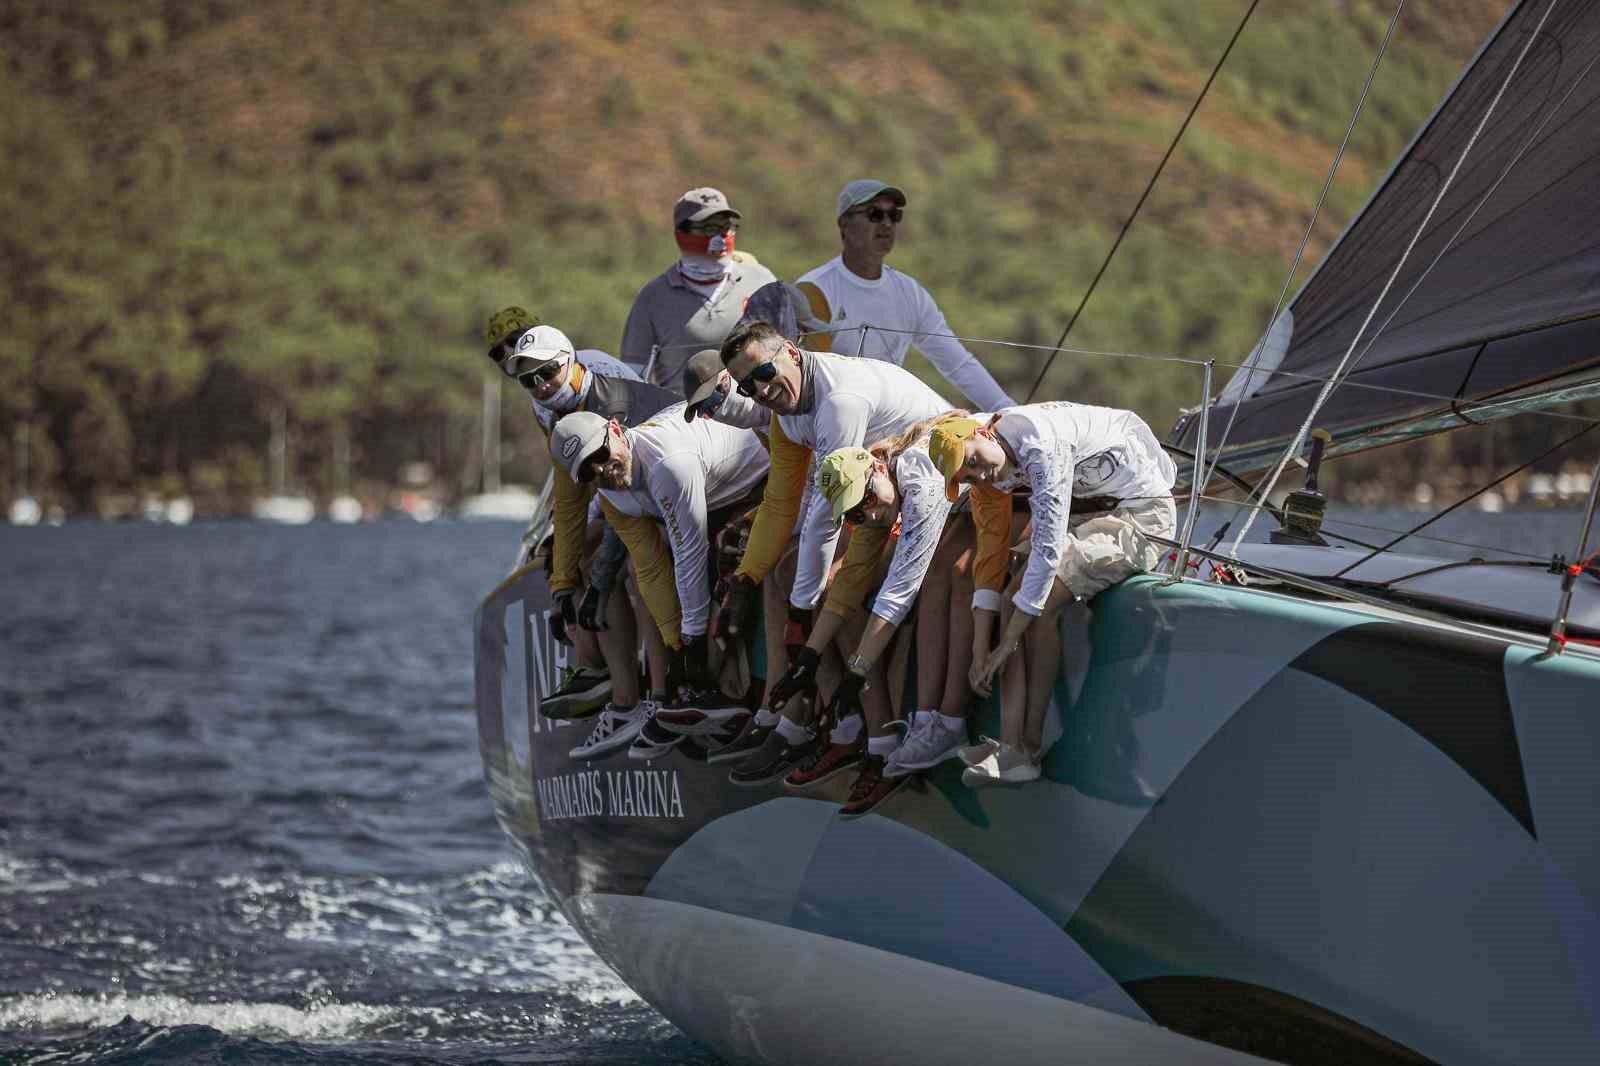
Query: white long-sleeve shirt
(681, 472)
(896, 301)
(1067, 449)
(924, 509)
(856, 402)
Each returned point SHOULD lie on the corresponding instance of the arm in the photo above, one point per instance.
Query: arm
(639, 334)
(652, 568)
(923, 511)
(1049, 473)
(678, 487)
(950, 357)
(853, 580)
(780, 505)
(571, 524)
(841, 422)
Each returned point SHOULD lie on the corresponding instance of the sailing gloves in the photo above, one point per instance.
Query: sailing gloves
(738, 607)
(801, 675)
(592, 611)
(846, 699)
(690, 667)
(564, 614)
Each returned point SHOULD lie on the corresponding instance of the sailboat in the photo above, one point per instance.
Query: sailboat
(508, 502)
(23, 510)
(282, 506)
(1307, 801)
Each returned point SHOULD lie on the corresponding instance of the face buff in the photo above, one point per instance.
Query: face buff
(704, 260)
(567, 396)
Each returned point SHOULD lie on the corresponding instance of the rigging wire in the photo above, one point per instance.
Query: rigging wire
(1142, 198)
(1472, 496)
(1305, 239)
(1444, 188)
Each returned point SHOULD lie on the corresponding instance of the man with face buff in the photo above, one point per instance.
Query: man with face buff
(543, 361)
(682, 479)
(819, 403)
(875, 311)
(698, 300)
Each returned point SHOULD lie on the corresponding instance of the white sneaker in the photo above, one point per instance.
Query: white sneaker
(927, 745)
(615, 729)
(1006, 766)
(973, 754)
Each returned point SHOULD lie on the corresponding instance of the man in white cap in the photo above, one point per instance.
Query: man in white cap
(686, 478)
(698, 300)
(819, 403)
(874, 310)
(542, 359)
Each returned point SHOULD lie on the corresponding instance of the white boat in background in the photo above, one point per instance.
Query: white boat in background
(512, 503)
(344, 510)
(179, 511)
(24, 511)
(1305, 802)
(285, 510)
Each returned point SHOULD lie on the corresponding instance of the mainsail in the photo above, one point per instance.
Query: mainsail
(1499, 300)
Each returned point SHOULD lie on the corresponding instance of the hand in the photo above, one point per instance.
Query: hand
(796, 630)
(986, 668)
(738, 607)
(802, 674)
(846, 698)
(592, 611)
(562, 615)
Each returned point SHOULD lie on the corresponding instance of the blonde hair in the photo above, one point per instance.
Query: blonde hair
(891, 448)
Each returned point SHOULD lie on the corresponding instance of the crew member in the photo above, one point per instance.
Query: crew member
(1099, 485)
(819, 403)
(685, 477)
(698, 300)
(874, 310)
(544, 362)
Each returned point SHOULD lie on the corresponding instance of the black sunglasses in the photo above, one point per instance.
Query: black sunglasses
(709, 228)
(876, 215)
(539, 375)
(757, 377)
(499, 351)
(593, 462)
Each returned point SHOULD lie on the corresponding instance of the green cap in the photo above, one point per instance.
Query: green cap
(842, 478)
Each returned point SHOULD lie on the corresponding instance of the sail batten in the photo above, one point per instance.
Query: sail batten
(1502, 289)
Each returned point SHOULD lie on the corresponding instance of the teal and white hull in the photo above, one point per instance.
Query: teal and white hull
(1268, 826)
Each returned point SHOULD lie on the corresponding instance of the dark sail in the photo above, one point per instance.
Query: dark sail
(1500, 296)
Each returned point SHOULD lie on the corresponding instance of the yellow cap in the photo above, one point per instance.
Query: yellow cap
(947, 447)
(506, 320)
(842, 478)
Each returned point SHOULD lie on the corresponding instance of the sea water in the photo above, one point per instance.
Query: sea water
(242, 814)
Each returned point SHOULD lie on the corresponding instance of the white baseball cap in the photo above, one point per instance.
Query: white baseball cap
(864, 191)
(536, 347)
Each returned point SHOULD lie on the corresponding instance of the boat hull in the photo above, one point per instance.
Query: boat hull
(1266, 827)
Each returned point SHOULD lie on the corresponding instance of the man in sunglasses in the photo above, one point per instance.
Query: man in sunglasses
(820, 403)
(544, 362)
(875, 311)
(683, 479)
(698, 300)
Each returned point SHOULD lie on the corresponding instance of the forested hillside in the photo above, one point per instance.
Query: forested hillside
(213, 211)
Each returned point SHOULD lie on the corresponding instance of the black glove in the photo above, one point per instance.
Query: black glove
(692, 665)
(592, 611)
(796, 630)
(846, 698)
(801, 675)
(738, 607)
(562, 615)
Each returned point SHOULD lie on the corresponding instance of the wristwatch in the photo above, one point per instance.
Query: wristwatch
(858, 666)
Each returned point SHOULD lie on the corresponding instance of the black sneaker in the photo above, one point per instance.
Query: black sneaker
(698, 712)
(582, 692)
(773, 760)
(652, 741)
(748, 739)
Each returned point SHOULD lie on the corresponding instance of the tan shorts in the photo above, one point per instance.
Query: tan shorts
(1107, 546)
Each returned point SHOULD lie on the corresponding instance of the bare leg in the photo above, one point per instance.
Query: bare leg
(956, 695)
(933, 630)
(620, 646)
(1043, 647)
(655, 649)
(774, 611)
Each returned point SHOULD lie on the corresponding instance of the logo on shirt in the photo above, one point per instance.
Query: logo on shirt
(842, 315)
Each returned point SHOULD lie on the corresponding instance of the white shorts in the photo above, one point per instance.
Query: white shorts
(1104, 547)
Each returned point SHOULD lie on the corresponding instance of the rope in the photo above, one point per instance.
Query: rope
(1305, 239)
(1468, 498)
(1327, 390)
(1142, 198)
